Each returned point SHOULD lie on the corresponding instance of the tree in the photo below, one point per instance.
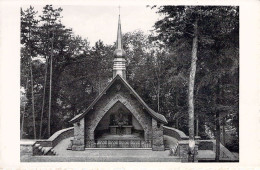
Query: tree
(195, 25)
(157, 75)
(102, 58)
(28, 39)
(83, 80)
(144, 66)
(67, 50)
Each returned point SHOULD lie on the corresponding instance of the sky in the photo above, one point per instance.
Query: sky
(100, 22)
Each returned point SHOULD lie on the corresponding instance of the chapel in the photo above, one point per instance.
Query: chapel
(118, 117)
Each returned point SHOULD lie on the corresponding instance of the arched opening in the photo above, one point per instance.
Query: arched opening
(119, 124)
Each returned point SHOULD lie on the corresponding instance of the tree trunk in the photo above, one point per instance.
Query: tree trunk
(217, 120)
(191, 92)
(49, 116)
(217, 137)
(177, 117)
(177, 123)
(99, 84)
(33, 110)
(158, 97)
(55, 89)
(43, 99)
(74, 108)
(26, 88)
(31, 72)
(224, 132)
(197, 126)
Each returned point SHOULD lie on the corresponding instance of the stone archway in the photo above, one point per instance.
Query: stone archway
(138, 114)
(119, 124)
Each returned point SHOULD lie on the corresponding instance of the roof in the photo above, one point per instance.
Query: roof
(155, 115)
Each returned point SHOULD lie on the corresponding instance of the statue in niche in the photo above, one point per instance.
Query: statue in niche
(121, 118)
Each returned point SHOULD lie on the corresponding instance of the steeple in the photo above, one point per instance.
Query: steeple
(119, 54)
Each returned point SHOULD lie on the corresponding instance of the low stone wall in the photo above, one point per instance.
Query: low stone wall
(206, 145)
(56, 137)
(26, 147)
(183, 150)
(225, 154)
(44, 143)
(60, 135)
(177, 134)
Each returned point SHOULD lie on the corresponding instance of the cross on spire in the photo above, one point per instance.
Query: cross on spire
(119, 9)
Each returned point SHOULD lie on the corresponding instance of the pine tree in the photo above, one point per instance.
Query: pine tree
(29, 39)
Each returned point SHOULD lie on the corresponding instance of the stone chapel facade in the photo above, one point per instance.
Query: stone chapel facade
(118, 112)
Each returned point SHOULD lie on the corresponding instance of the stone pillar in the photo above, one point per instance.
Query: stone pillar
(158, 144)
(184, 150)
(78, 143)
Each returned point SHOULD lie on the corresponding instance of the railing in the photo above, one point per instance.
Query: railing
(118, 144)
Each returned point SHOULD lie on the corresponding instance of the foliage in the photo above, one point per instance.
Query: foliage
(217, 65)
(157, 67)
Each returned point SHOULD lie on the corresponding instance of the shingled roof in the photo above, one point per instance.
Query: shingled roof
(155, 115)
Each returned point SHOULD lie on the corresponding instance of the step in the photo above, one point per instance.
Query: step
(100, 159)
(46, 150)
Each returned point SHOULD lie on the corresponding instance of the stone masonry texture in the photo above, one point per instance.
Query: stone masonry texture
(158, 144)
(78, 142)
(85, 130)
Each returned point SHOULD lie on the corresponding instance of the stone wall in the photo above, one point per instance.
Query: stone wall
(177, 134)
(136, 124)
(26, 149)
(158, 144)
(78, 143)
(225, 154)
(105, 121)
(56, 137)
(85, 130)
(184, 151)
(108, 100)
(206, 145)
(60, 135)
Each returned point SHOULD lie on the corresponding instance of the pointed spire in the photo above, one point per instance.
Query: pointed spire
(119, 35)
(119, 52)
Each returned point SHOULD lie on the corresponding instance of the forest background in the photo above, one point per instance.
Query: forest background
(158, 67)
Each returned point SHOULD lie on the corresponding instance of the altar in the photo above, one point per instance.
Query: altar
(120, 130)
(120, 123)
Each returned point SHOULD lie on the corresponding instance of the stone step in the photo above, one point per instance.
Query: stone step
(40, 147)
(46, 150)
(51, 151)
(40, 150)
(37, 149)
(102, 159)
(36, 145)
(173, 150)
